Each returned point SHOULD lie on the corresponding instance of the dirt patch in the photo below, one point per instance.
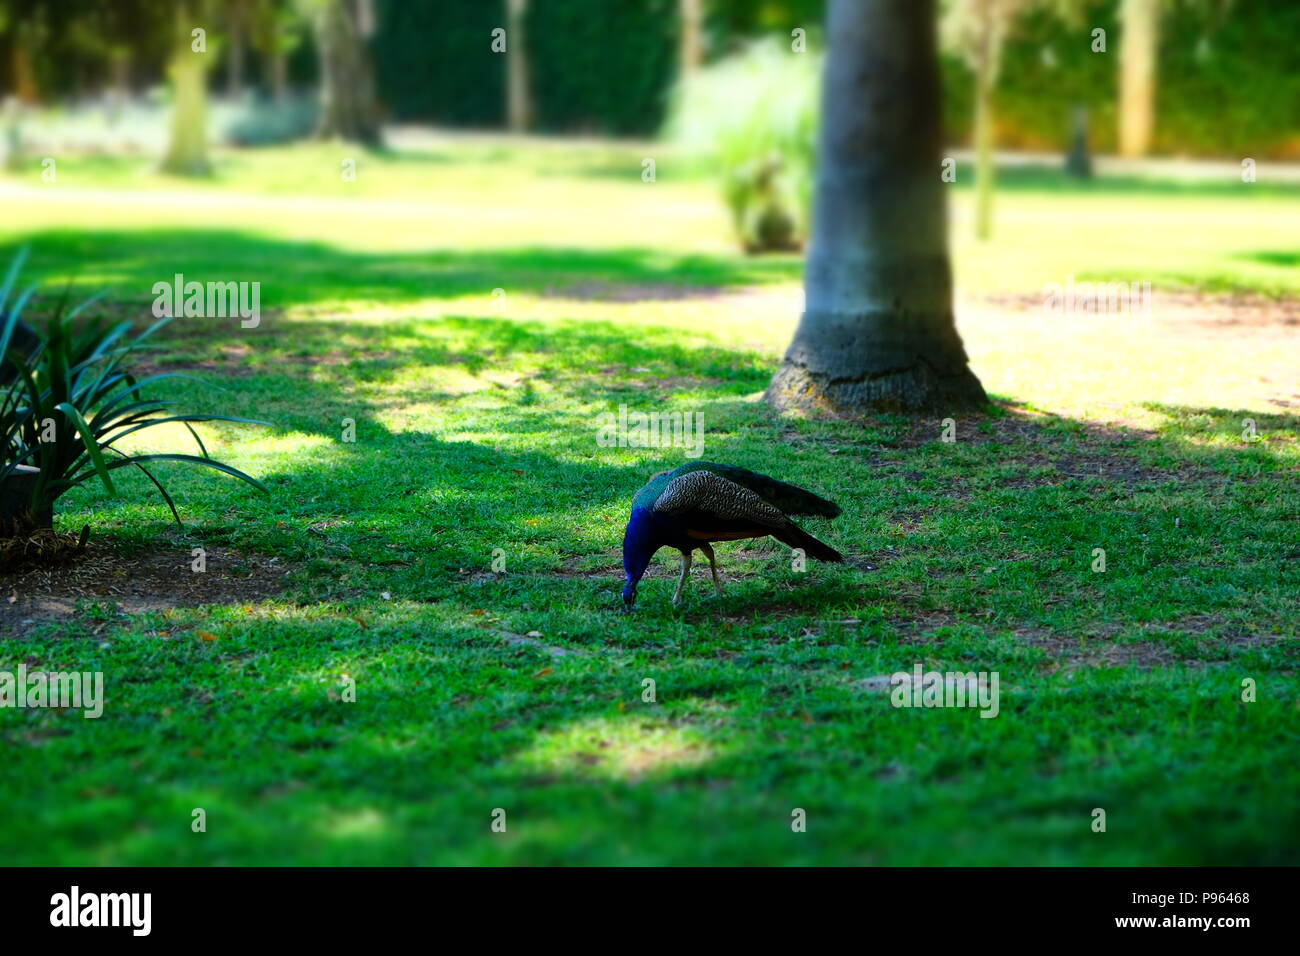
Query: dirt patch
(106, 585)
(1098, 647)
(42, 547)
(533, 639)
(602, 291)
(1022, 426)
(1100, 452)
(230, 364)
(1179, 310)
(233, 362)
(1113, 469)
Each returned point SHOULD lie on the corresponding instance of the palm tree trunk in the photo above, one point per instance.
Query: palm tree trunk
(877, 332)
(1137, 82)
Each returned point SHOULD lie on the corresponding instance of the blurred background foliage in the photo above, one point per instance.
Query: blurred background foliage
(1227, 79)
(1227, 82)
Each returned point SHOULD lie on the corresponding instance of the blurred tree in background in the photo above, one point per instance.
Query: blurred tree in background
(187, 149)
(276, 31)
(435, 63)
(349, 107)
(977, 30)
(519, 108)
(1226, 82)
(1137, 78)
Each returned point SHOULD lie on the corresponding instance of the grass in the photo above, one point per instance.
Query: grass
(476, 419)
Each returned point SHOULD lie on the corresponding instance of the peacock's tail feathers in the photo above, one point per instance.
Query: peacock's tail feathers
(788, 498)
(797, 537)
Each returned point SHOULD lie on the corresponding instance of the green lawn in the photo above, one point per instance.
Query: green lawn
(476, 422)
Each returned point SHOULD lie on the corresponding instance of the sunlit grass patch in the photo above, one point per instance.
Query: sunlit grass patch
(627, 747)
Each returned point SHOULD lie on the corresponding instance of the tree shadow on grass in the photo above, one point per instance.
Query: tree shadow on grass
(129, 262)
(1288, 258)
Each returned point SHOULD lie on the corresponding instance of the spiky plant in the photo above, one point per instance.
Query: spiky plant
(68, 402)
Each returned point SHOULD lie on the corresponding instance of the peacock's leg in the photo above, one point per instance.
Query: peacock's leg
(681, 582)
(713, 566)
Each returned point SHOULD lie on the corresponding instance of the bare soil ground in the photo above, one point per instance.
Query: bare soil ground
(105, 584)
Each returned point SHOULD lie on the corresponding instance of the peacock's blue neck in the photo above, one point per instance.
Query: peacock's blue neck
(646, 533)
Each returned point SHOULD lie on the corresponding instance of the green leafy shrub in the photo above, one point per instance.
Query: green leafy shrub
(595, 66)
(66, 404)
(752, 119)
(602, 66)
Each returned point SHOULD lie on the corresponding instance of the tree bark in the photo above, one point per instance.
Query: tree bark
(278, 67)
(692, 47)
(235, 49)
(349, 108)
(1140, 29)
(24, 74)
(877, 332)
(519, 107)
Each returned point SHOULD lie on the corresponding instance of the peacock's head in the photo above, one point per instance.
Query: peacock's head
(639, 546)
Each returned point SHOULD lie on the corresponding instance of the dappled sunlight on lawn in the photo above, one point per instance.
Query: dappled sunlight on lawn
(627, 747)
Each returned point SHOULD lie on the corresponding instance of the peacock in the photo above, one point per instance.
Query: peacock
(702, 502)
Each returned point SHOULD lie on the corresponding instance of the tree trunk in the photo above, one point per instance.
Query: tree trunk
(187, 152)
(119, 84)
(279, 76)
(519, 107)
(349, 109)
(877, 332)
(24, 75)
(692, 48)
(235, 50)
(1140, 28)
(13, 139)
